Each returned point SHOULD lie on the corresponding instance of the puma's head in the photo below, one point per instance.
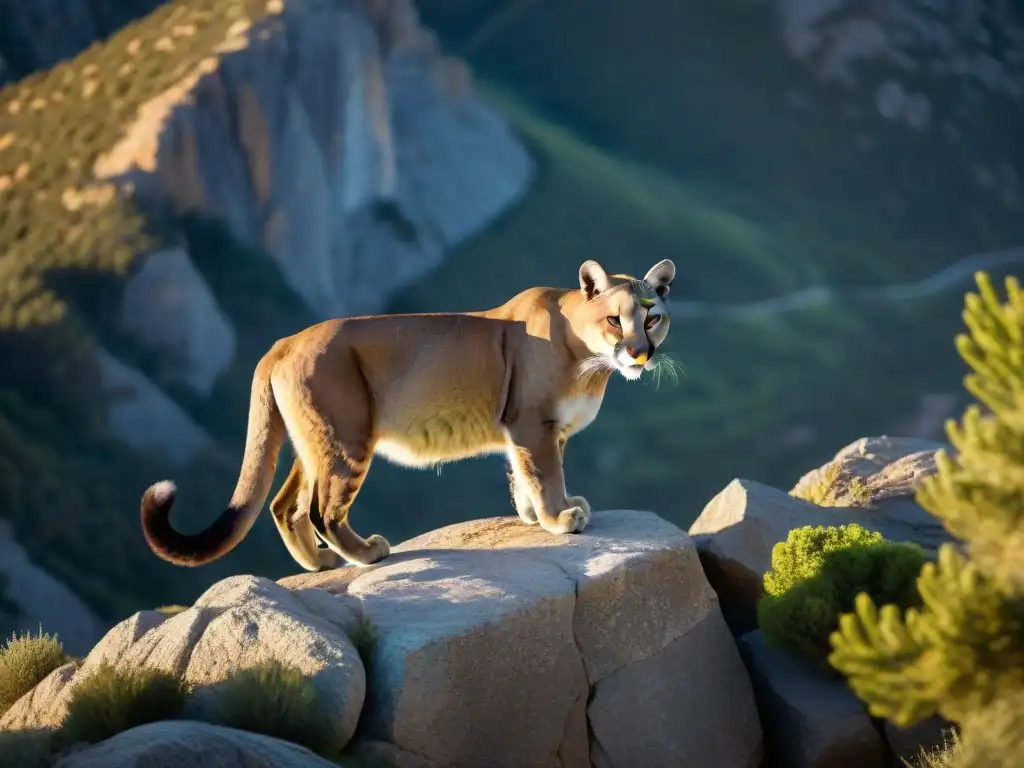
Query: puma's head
(622, 320)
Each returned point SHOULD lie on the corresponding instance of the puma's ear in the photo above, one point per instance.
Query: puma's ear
(660, 277)
(593, 279)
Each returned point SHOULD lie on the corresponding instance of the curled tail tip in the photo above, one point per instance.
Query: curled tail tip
(159, 495)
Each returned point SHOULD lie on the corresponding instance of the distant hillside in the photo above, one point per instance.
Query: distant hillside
(804, 111)
(695, 131)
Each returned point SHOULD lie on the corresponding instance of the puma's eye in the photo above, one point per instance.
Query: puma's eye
(652, 320)
(614, 322)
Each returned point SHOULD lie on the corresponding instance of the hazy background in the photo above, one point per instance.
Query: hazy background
(766, 146)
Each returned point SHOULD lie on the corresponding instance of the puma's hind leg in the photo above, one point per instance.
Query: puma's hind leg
(291, 512)
(335, 441)
(339, 480)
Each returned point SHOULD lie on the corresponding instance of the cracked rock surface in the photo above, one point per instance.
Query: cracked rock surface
(501, 644)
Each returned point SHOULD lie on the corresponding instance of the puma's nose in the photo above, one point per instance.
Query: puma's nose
(638, 357)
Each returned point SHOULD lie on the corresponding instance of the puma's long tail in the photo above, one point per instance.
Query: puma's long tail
(262, 442)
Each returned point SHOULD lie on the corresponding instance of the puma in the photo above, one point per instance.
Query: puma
(421, 389)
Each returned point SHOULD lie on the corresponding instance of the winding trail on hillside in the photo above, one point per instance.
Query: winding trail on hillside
(956, 273)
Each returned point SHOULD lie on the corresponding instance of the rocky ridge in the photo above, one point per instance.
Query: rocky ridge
(493, 642)
(479, 628)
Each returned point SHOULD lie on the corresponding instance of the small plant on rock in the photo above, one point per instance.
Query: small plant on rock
(275, 700)
(112, 700)
(816, 575)
(940, 757)
(834, 487)
(24, 661)
(170, 610)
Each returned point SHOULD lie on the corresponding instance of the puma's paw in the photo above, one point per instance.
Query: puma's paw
(572, 520)
(582, 503)
(377, 548)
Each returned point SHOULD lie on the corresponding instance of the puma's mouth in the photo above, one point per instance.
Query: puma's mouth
(631, 372)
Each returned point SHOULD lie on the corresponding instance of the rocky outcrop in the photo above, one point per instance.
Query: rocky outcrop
(334, 136)
(492, 643)
(881, 472)
(43, 600)
(238, 623)
(870, 482)
(810, 718)
(487, 625)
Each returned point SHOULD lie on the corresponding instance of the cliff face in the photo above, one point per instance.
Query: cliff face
(333, 135)
(829, 113)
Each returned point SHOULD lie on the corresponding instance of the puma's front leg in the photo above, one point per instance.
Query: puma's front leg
(574, 501)
(536, 459)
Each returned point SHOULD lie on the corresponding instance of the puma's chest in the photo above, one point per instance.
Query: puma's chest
(576, 413)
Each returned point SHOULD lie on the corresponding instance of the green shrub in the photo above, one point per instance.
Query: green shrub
(112, 700)
(24, 662)
(275, 700)
(816, 575)
(961, 653)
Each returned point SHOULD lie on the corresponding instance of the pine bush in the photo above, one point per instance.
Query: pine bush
(961, 653)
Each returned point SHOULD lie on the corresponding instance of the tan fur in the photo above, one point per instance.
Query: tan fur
(519, 379)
